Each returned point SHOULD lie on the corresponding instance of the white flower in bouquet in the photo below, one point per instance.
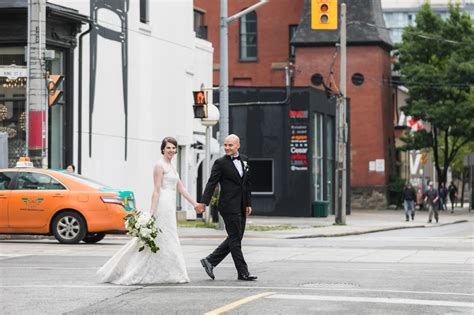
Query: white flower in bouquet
(145, 232)
(143, 218)
(142, 226)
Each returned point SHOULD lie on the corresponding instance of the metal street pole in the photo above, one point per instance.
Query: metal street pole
(342, 124)
(207, 167)
(223, 77)
(224, 66)
(36, 95)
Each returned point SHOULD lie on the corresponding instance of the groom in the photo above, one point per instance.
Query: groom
(231, 172)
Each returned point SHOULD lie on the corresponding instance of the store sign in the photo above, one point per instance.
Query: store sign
(13, 72)
(299, 140)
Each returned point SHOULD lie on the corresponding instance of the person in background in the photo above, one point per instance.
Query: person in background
(431, 199)
(443, 194)
(453, 194)
(409, 198)
(71, 168)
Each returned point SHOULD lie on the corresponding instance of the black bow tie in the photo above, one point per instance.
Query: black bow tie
(235, 157)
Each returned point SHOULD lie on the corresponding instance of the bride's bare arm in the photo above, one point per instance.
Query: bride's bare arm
(157, 177)
(185, 194)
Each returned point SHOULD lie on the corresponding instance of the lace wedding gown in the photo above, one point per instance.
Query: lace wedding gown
(129, 266)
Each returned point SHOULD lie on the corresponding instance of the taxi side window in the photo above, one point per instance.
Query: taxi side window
(37, 181)
(5, 180)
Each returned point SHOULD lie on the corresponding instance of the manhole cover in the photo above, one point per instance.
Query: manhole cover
(344, 285)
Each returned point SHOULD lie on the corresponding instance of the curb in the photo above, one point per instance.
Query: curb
(46, 237)
(373, 231)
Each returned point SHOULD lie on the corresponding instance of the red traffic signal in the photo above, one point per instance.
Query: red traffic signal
(200, 104)
(200, 97)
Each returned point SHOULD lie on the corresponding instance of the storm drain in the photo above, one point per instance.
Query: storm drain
(331, 285)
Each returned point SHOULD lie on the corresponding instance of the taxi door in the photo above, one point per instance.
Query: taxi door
(34, 199)
(6, 180)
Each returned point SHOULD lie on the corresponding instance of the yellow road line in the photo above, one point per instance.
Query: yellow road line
(235, 304)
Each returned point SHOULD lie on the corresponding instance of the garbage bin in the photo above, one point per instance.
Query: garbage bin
(320, 208)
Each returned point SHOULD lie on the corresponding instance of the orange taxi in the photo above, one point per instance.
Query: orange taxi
(68, 206)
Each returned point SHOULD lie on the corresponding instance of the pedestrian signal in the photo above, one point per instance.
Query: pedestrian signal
(424, 158)
(200, 104)
(55, 92)
(324, 14)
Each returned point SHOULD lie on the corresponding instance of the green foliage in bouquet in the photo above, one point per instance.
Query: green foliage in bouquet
(142, 226)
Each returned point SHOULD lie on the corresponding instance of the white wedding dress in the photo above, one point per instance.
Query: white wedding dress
(129, 266)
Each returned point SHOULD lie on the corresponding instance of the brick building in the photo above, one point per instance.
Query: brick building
(279, 34)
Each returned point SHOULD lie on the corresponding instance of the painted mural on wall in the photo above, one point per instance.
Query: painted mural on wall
(120, 8)
(299, 140)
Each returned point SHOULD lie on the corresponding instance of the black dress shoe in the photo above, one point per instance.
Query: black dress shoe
(247, 277)
(208, 267)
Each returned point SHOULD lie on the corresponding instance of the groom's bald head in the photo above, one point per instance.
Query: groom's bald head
(231, 144)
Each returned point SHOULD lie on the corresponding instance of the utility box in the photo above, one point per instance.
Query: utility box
(320, 208)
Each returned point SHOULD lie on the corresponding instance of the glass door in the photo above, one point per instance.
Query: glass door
(330, 162)
(318, 174)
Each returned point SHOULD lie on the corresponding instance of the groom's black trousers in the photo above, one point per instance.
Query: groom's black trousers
(235, 227)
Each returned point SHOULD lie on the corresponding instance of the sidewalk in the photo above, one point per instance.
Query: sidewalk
(359, 222)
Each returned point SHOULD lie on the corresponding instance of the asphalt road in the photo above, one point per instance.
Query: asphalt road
(412, 271)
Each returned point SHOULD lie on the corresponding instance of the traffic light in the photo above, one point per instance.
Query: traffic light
(200, 104)
(324, 14)
(54, 88)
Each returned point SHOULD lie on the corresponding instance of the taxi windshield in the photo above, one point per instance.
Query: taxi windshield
(88, 181)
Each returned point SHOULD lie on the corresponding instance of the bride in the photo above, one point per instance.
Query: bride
(129, 266)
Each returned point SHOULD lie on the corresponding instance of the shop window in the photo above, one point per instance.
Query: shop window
(248, 37)
(261, 176)
(12, 102)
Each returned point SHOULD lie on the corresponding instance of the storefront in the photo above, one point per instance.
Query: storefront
(62, 26)
(290, 148)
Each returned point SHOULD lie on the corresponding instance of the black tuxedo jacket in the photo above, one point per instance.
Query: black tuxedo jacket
(235, 190)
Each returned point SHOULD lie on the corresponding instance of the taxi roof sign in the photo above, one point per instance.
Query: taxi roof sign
(24, 161)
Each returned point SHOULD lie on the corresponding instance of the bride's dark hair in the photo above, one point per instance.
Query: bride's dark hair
(168, 140)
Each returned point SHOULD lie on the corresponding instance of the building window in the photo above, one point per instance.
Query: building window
(292, 48)
(144, 11)
(199, 28)
(262, 176)
(248, 37)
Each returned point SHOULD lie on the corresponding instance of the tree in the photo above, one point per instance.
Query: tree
(436, 60)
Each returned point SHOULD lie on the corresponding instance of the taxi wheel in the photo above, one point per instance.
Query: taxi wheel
(69, 227)
(92, 238)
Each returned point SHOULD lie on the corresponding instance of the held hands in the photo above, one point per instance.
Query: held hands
(248, 210)
(200, 208)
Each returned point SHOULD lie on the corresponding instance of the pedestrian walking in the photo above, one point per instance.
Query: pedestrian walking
(232, 173)
(431, 199)
(453, 195)
(443, 195)
(409, 198)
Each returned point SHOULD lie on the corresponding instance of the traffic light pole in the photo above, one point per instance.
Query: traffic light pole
(342, 136)
(224, 66)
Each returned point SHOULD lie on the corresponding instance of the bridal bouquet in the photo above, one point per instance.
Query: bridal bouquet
(142, 226)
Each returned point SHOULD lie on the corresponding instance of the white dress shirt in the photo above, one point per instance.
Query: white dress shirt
(238, 166)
